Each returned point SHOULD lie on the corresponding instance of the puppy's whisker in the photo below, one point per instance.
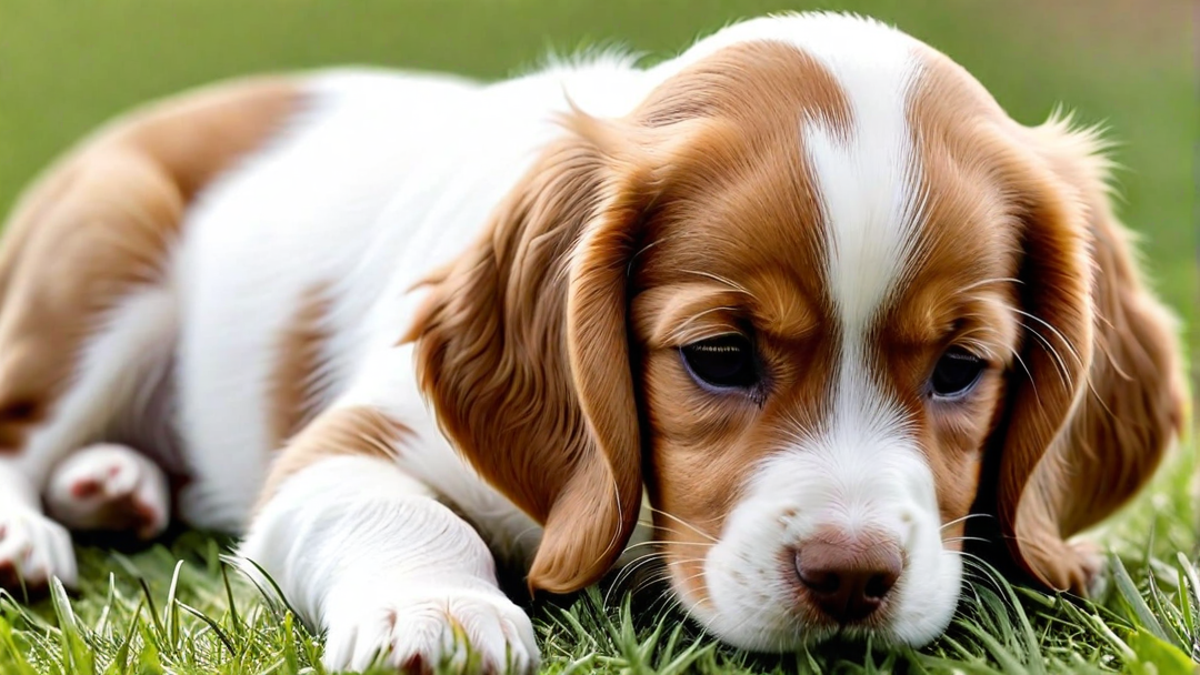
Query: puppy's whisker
(685, 561)
(1057, 333)
(952, 540)
(964, 518)
(993, 280)
(648, 542)
(686, 524)
(628, 571)
(1028, 375)
(1049, 347)
(1059, 363)
(724, 281)
(683, 539)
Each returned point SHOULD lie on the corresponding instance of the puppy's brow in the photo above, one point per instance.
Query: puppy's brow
(682, 313)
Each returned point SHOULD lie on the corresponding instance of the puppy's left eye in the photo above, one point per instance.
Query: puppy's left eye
(725, 361)
(955, 373)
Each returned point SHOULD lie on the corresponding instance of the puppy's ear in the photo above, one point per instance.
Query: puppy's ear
(1101, 393)
(522, 348)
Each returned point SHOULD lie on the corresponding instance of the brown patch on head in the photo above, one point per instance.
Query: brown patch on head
(766, 88)
(295, 389)
(100, 225)
(351, 431)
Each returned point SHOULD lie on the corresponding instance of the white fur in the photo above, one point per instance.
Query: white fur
(383, 178)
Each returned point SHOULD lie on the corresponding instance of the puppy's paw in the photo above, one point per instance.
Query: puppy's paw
(417, 628)
(1092, 578)
(109, 487)
(32, 549)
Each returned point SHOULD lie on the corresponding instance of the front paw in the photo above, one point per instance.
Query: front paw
(1091, 577)
(33, 548)
(1076, 567)
(421, 628)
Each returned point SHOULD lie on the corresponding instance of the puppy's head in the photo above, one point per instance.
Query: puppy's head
(799, 293)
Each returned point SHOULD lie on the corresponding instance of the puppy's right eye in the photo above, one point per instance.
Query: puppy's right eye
(955, 374)
(723, 362)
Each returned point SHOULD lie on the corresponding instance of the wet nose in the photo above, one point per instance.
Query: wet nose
(848, 577)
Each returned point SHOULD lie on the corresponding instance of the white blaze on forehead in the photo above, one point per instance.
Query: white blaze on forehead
(867, 177)
(867, 182)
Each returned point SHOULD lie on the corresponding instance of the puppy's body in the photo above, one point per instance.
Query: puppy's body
(340, 305)
(342, 261)
(286, 284)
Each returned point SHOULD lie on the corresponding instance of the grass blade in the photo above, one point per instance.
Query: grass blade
(234, 620)
(216, 628)
(1134, 599)
(172, 608)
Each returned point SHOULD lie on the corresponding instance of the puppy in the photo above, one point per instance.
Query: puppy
(804, 297)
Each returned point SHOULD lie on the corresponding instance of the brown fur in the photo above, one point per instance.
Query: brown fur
(731, 246)
(1095, 384)
(294, 389)
(968, 216)
(99, 226)
(353, 431)
(1127, 393)
(522, 349)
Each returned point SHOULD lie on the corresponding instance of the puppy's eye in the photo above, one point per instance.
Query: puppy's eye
(955, 373)
(724, 361)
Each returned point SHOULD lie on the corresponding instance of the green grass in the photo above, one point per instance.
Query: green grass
(181, 610)
(67, 65)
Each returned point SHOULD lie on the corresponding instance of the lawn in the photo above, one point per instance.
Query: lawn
(67, 65)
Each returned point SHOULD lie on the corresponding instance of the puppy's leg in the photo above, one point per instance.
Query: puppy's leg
(109, 487)
(32, 547)
(102, 382)
(365, 552)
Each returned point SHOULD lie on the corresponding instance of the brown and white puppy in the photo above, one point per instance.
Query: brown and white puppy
(806, 286)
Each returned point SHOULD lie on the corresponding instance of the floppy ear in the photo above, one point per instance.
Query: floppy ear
(1101, 394)
(522, 348)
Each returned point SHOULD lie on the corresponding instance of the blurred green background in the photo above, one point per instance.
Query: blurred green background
(67, 65)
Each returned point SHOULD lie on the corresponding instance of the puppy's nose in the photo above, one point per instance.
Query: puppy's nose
(848, 577)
